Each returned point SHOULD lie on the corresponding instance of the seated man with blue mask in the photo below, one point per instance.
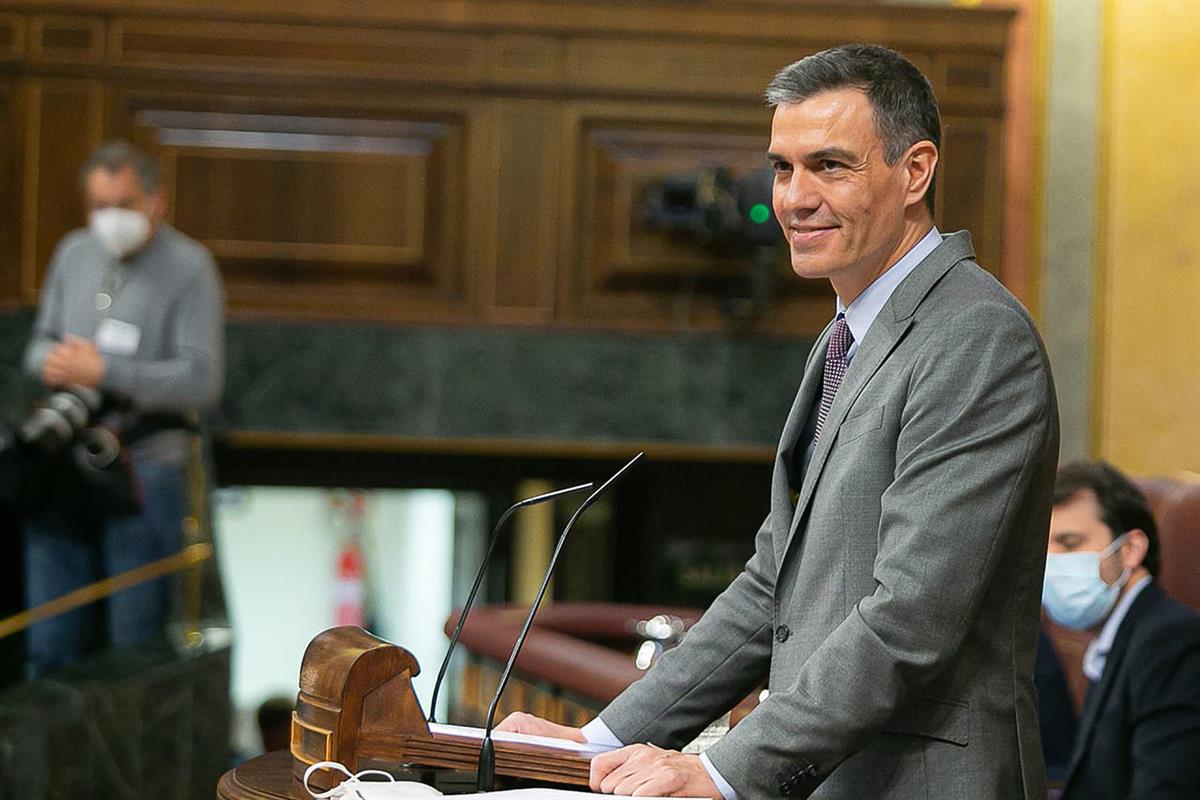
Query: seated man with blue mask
(1139, 735)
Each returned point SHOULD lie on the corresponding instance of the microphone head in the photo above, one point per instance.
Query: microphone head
(615, 476)
(541, 498)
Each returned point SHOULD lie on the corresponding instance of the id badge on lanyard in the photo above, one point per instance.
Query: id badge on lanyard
(114, 336)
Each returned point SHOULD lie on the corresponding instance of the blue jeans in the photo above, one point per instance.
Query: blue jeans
(63, 554)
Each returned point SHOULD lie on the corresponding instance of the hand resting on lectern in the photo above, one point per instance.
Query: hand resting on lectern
(639, 770)
(520, 722)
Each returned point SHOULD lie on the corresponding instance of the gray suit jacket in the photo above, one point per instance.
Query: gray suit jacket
(894, 608)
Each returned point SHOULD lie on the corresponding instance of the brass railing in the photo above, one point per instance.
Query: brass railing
(187, 558)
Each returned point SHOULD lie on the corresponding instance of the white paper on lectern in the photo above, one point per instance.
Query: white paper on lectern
(396, 791)
(353, 790)
(587, 750)
(551, 794)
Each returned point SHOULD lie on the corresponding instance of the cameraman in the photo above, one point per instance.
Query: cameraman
(133, 308)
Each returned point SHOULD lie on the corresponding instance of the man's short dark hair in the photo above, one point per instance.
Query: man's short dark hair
(1123, 507)
(902, 101)
(114, 156)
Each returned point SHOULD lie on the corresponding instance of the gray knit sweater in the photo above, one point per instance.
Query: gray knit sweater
(172, 293)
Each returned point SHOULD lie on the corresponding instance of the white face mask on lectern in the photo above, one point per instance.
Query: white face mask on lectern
(121, 231)
(354, 787)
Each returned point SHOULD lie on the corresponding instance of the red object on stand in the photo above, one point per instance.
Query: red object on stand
(349, 587)
(349, 592)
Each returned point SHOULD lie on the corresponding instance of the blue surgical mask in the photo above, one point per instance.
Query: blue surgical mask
(1074, 594)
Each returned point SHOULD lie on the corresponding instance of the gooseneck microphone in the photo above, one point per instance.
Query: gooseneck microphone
(462, 617)
(487, 751)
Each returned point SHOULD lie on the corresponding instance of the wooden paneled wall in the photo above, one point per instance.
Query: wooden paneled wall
(477, 161)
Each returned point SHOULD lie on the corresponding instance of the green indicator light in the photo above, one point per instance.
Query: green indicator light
(759, 213)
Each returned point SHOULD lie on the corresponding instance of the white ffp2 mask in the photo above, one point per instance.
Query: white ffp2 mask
(121, 231)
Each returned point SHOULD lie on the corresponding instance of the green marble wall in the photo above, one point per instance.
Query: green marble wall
(462, 382)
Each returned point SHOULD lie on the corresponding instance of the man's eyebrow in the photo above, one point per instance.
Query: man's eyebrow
(834, 154)
(824, 154)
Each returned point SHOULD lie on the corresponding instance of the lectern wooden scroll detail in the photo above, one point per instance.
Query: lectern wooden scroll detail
(357, 706)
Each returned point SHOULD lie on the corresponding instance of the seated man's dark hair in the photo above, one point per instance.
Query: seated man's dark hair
(1123, 507)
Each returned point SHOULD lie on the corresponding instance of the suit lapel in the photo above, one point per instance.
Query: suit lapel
(886, 331)
(810, 387)
(1099, 693)
(783, 479)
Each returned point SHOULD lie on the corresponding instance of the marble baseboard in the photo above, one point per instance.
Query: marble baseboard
(702, 389)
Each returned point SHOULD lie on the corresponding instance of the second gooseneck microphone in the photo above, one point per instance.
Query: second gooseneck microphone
(462, 617)
(487, 751)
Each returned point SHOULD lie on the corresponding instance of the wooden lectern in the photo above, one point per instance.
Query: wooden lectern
(356, 706)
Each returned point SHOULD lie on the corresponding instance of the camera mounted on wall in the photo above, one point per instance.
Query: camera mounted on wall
(727, 214)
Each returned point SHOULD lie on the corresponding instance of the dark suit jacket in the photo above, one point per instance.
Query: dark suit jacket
(1140, 732)
(1056, 716)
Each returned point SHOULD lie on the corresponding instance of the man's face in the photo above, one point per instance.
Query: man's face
(840, 205)
(121, 189)
(1076, 527)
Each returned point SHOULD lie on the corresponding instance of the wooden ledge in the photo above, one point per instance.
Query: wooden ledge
(508, 447)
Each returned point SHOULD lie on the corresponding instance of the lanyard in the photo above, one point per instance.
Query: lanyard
(108, 286)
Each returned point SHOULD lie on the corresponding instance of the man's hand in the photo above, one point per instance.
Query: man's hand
(643, 770)
(520, 722)
(73, 360)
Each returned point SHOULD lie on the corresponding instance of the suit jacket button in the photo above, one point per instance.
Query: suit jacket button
(782, 633)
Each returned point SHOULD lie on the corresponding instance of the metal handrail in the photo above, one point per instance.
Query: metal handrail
(186, 558)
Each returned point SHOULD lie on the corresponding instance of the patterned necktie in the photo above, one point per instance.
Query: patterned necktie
(835, 369)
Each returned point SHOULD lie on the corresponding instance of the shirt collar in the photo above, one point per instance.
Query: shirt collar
(1097, 652)
(866, 307)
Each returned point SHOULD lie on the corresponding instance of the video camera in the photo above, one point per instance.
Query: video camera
(60, 457)
(715, 207)
(728, 214)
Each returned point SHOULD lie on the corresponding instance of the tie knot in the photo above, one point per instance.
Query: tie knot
(839, 340)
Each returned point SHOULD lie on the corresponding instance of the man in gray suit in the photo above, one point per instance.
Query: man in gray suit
(892, 600)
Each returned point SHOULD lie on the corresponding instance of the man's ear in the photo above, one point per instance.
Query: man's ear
(158, 205)
(1134, 549)
(919, 164)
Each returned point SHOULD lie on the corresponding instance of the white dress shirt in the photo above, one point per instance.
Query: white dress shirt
(1097, 652)
(863, 310)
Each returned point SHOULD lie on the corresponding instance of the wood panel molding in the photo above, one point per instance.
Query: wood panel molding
(66, 38)
(12, 134)
(970, 191)
(967, 81)
(63, 123)
(324, 210)
(521, 257)
(236, 48)
(789, 22)
(483, 161)
(484, 59)
(12, 36)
